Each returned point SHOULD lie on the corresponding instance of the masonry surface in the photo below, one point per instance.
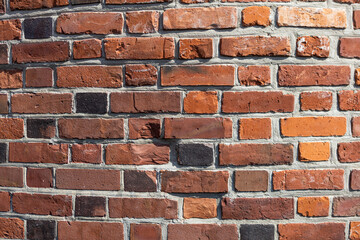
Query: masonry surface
(180, 119)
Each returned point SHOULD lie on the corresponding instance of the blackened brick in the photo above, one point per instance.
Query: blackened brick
(195, 154)
(90, 206)
(256, 232)
(75, 2)
(44, 230)
(4, 55)
(40, 128)
(95, 103)
(3, 149)
(38, 28)
(140, 181)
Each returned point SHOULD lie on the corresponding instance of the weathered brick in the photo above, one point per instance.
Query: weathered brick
(195, 48)
(39, 177)
(201, 102)
(257, 102)
(200, 18)
(214, 75)
(307, 179)
(89, 76)
(323, 75)
(140, 75)
(257, 208)
(40, 229)
(11, 128)
(90, 230)
(354, 230)
(311, 231)
(2, 7)
(139, 48)
(255, 46)
(200, 208)
(86, 206)
(194, 181)
(97, 128)
(251, 181)
(137, 154)
(313, 46)
(313, 206)
(355, 122)
(313, 126)
(76, 2)
(256, 16)
(142, 208)
(348, 47)
(355, 180)
(88, 179)
(356, 19)
(198, 128)
(255, 128)
(193, 154)
(135, 1)
(90, 23)
(85, 49)
(202, 231)
(42, 204)
(255, 154)
(11, 79)
(311, 17)
(4, 54)
(10, 29)
(29, 5)
(314, 151)
(254, 75)
(349, 100)
(140, 181)
(316, 101)
(4, 104)
(3, 151)
(41, 52)
(145, 102)
(145, 231)
(12, 228)
(91, 103)
(38, 28)
(257, 231)
(142, 21)
(144, 128)
(349, 152)
(11, 177)
(4, 201)
(38, 153)
(86, 153)
(39, 77)
(346, 206)
(40, 128)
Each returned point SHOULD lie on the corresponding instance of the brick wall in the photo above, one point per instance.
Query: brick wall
(183, 119)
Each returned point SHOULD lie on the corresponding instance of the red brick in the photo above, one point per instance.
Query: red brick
(142, 208)
(11, 228)
(2, 7)
(42, 204)
(40, 52)
(201, 102)
(145, 102)
(257, 208)
(255, 46)
(145, 231)
(257, 102)
(89, 76)
(349, 152)
(11, 128)
(144, 128)
(200, 18)
(355, 180)
(4, 202)
(316, 101)
(194, 181)
(10, 29)
(90, 23)
(88, 179)
(251, 181)
(304, 179)
(313, 126)
(311, 17)
(139, 48)
(89, 48)
(11, 79)
(38, 153)
(4, 50)
(256, 16)
(313, 46)
(213, 75)
(348, 47)
(198, 128)
(314, 151)
(29, 5)
(140, 75)
(137, 154)
(313, 206)
(310, 231)
(313, 75)
(195, 48)
(4, 104)
(200, 208)
(90, 230)
(346, 206)
(202, 231)
(86, 153)
(41, 103)
(356, 19)
(255, 154)
(355, 126)
(39, 177)
(255, 128)
(142, 21)
(349, 100)
(134, 1)
(11, 177)
(39, 77)
(82, 128)
(254, 75)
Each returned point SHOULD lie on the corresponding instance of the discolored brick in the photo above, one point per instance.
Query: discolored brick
(140, 181)
(257, 231)
(38, 28)
(92, 103)
(144, 128)
(195, 48)
(251, 181)
(40, 128)
(195, 154)
(4, 104)
(40, 229)
(86, 206)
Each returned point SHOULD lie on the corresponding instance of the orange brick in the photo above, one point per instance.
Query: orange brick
(256, 16)
(201, 102)
(314, 151)
(354, 231)
(255, 128)
(313, 206)
(200, 208)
